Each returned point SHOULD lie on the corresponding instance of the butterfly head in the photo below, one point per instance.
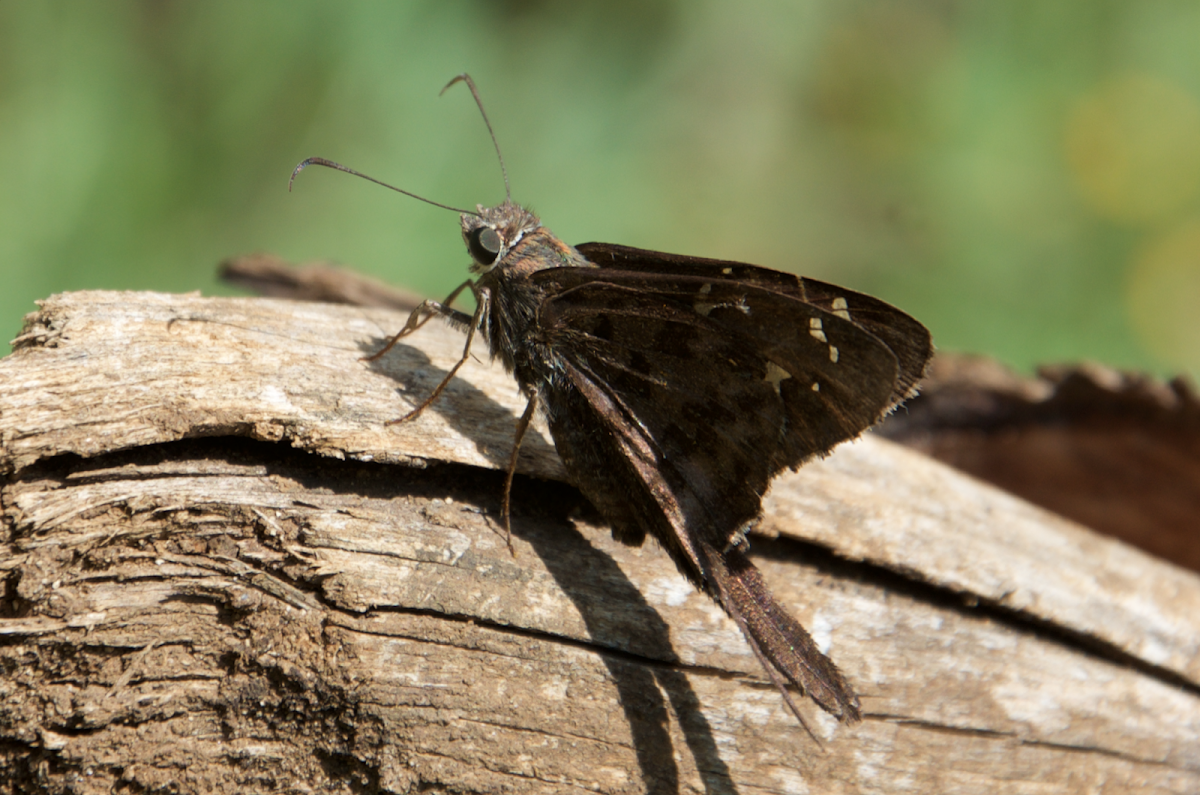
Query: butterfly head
(493, 232)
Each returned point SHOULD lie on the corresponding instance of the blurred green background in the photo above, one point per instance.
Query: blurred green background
(1024, 177)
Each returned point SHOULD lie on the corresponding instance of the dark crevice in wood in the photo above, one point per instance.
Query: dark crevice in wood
(556, 502)
(1109, 752)
(969, 605)
(344, 768)
(966, 731)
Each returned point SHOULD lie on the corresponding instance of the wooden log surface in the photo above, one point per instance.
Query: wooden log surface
(223, 573)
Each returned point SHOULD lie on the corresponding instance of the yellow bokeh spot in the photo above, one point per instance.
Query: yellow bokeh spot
(1134, 148)
(1163, 295)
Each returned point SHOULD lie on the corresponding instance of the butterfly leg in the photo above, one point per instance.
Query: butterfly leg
(506, 500)
(422, 315)
(482, 299)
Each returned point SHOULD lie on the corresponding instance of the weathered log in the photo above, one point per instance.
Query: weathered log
(225, 573)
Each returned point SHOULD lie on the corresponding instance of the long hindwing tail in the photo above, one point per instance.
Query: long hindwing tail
(777, 638)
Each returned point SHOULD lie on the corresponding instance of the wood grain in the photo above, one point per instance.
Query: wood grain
(224, 573)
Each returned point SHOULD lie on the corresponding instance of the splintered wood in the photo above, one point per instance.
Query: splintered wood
(225, 573)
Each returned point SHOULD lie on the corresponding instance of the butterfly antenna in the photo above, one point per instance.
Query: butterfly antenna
(466, 78)
(320, 161)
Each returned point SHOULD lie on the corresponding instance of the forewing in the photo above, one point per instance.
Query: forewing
(908, 340)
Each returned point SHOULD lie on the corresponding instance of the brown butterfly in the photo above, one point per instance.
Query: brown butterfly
(676, 388)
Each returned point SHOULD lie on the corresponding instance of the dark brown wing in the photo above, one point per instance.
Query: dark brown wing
(676, 399)
(728, 382)
(904, 336)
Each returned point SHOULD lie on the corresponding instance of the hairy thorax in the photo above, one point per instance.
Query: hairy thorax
(512, 322)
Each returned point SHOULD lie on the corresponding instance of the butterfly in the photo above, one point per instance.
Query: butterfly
(675, 388)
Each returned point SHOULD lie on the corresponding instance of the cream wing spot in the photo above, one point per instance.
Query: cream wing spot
(775, 376)
(833, 354)
(816, 387)
(815, 330)
(841, 308)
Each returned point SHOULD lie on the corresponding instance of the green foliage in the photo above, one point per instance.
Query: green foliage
(1024, 177)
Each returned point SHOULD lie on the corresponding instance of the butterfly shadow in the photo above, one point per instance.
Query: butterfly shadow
(642, 664)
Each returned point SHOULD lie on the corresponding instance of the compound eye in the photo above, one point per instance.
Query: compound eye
(484, 244)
